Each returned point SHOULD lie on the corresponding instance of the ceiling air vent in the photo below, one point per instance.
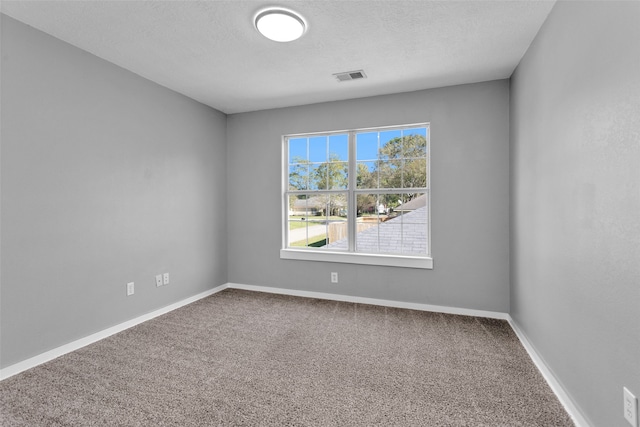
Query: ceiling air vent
(350, 75)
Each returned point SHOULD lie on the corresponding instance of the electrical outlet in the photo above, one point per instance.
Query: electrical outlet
(334, 277)
(165, 279)
(159, 280)
(630, 407)
(130, 289)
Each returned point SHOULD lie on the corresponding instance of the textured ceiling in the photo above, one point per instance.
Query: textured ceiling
(210, 51)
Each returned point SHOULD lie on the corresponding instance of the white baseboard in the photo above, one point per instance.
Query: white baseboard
(578, 419)
(373, 301)
(82, 342)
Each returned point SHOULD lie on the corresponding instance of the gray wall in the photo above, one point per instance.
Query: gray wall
(575, 156)
(106, 178)
(470, 197)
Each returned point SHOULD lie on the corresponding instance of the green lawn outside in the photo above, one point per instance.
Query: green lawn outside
(313, 241)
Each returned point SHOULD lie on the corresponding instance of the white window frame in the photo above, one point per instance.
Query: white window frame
(350, 257)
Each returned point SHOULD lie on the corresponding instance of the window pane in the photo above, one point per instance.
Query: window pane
(297, 232)
(414, 173)
(298, 176)
(388, 204)
(415, 131)
(367, 223)
(390, 174)
(339, 148)
(367, 237)
(337, 227)
(297, 150)
(390, 149)
(387, 225)
(317, 204)
(367, 175)
(307, 220)
(312, 234)
(415, 204)
(367, 146)
(316, 233)
(414, 239)
(318, 149)
(338, 207)
(338, 235)
(318, 176)
(389, 140)
(338, 176)
(325, 224)
(299, 208)
(366, 205)
(414, 143)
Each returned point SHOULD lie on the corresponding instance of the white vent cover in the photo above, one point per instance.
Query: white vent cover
(350, 75)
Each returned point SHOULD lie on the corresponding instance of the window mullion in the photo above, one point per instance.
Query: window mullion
(352, 213)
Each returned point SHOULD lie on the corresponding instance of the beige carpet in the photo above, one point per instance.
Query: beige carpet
(248, 358)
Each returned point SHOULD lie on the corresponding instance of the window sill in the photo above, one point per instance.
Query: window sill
(355, 258)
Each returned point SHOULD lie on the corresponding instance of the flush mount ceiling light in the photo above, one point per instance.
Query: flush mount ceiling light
(280, 25)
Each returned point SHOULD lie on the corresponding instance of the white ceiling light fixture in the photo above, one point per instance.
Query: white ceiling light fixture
(280, 25)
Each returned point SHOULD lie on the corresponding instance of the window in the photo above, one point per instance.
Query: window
(358, 196)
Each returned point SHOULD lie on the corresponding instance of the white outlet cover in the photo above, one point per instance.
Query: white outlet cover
(130, 288)
(630, 407)
(159, 280)
(165, 278)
